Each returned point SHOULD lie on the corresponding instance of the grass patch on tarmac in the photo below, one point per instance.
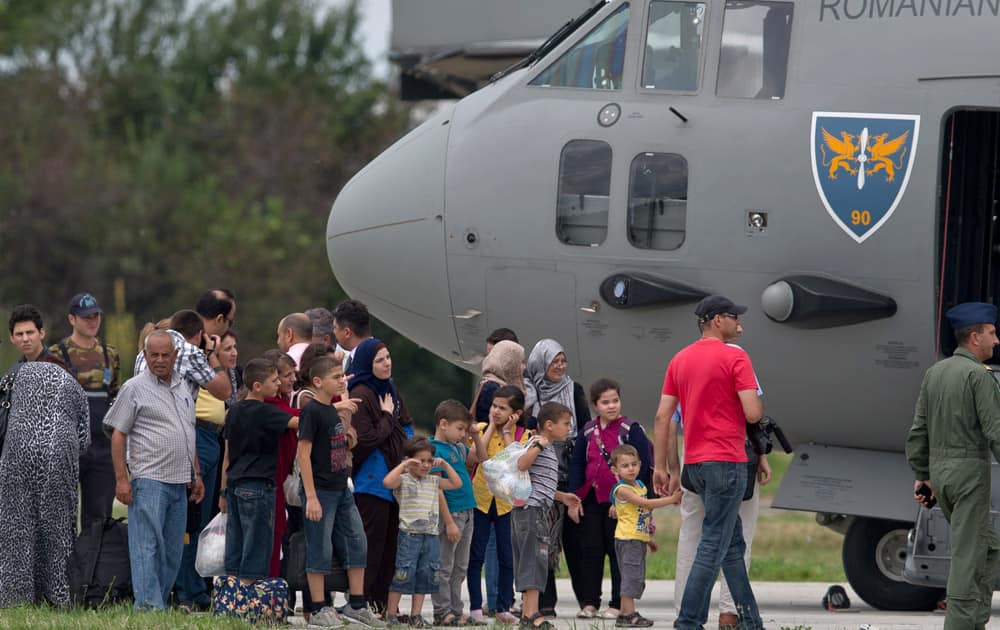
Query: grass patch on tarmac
(116, 618)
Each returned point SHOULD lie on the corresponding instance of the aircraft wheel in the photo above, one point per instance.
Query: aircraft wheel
(874, 553)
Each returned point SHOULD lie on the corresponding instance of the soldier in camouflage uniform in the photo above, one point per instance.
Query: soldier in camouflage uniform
(956, 425)
(95, 366)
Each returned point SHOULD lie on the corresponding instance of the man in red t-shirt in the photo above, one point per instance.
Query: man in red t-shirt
(716, 386)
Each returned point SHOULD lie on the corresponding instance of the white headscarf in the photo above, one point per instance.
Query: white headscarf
(539, 389)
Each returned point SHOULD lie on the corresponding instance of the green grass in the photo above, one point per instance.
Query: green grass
(44, 618)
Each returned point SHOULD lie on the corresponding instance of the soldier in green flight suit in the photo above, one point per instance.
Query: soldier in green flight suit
(956, 425)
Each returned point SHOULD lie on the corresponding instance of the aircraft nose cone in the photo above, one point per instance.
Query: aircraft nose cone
(386, 236)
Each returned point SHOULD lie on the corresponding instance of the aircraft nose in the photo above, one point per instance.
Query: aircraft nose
(386, 236)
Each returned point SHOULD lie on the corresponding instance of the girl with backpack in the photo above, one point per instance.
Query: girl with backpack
(591, 477)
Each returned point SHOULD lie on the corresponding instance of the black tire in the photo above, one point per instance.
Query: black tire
(873, 563)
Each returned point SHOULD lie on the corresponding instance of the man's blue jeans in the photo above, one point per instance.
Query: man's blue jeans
(190, 585)
(156, 520)
(720, 486)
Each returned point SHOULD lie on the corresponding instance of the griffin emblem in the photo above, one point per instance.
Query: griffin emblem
(844, 152)
(882, 152)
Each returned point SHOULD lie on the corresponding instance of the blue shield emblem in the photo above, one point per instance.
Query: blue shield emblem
(861, 164)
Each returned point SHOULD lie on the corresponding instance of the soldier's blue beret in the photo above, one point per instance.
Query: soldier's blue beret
(970, 314)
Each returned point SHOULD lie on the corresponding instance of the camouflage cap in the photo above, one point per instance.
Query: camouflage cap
(84, 305)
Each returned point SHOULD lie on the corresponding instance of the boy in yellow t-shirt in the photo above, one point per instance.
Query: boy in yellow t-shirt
(633, 532)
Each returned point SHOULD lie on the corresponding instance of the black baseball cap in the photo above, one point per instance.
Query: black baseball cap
(717, 305)
(84, 305)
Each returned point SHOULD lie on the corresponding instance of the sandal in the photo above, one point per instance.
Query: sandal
(468, 621)
(528, 623)
(548, 612)
(448, 620)
(635, 620)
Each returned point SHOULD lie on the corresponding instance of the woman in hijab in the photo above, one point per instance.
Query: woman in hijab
(47, 429)
(504, 365)
(546, 381)
(383, 424)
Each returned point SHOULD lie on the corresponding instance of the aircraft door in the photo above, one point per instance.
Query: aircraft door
(969, 242)
(550, 313)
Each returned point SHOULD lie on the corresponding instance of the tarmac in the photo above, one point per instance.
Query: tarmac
(783, 605)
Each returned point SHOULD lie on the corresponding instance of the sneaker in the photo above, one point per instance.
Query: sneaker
(418, 621)
(326, 617)
(506, 618)
(608, 613)
(362, 616)
(587, 612)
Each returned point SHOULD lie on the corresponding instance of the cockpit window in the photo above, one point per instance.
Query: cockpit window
(584, 192)
(755, 40)
(674, 37)
(596, 62)
(657, 201)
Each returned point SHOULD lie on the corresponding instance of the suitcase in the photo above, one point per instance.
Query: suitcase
(263, 602)
(295, 568)
(99, 570)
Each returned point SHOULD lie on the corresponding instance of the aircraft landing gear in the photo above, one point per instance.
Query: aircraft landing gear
(874, 552)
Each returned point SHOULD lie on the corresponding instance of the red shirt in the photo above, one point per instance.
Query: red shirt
(706, 377)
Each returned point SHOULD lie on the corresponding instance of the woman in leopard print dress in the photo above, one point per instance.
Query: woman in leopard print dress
(48, 428)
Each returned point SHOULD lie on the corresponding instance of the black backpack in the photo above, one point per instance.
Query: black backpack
(99, 568)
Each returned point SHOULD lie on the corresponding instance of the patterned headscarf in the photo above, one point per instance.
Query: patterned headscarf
(538, 388)
(503, 364)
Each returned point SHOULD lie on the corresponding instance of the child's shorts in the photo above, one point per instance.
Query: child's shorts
(632, 566)
(530, 542)
(418, 560)
(342, 523)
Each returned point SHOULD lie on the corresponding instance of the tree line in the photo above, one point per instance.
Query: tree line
(166, 146)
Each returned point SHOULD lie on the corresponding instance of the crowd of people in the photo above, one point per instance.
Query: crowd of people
(191, 434)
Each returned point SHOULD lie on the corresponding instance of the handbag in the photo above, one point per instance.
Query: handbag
(6, 397)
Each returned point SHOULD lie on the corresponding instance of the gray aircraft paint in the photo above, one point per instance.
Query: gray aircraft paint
(450, 233)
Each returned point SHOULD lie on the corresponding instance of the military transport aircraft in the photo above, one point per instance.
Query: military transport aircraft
(832, 163)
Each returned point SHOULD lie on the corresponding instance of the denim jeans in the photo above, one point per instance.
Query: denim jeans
(191, 586)
(339, 532)
(720, 486)
(156, 520)
(497, 528)
(249, 528)
(491, 570)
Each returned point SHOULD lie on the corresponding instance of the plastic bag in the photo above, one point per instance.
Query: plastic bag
(291, 486)
(505, 481)
(211, 558)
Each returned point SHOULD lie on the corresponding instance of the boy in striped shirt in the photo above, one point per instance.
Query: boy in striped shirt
(418, 554)
(530, 523)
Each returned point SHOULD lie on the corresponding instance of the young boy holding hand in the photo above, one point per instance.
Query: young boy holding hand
(634, 530)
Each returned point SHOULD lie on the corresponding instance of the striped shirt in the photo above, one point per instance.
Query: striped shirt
(418, 504)
(544, 473)
(158, 419)
(192, 363)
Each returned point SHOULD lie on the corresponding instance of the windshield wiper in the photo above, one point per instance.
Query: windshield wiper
(554, 40)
